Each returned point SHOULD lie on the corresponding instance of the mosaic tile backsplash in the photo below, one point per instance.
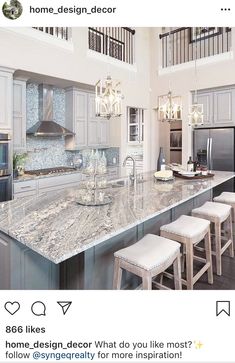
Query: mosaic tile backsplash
(44, 152)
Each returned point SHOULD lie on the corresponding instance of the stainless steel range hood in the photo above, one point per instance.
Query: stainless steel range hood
(46, 126)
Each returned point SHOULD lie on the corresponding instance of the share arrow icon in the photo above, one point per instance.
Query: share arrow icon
(65, 305)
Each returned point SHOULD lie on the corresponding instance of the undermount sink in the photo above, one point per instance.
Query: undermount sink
(125, 182)
(119, 183)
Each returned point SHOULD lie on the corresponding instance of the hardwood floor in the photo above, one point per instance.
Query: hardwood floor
(224, 282)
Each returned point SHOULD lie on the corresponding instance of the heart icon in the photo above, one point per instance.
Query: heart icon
(12, 307)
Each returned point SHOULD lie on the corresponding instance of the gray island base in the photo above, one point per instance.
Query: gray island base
(51, 242)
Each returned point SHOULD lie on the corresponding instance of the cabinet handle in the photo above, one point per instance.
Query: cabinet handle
(26, 187)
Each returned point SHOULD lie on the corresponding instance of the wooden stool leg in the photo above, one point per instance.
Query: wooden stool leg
(147, 281)
(189, 265)
(230, 235)
(117, 277)
(161, 279)
(218, 248)
(177, 273)
(183, 258)
(209, 257)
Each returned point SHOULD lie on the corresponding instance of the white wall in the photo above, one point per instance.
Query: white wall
(23, 52)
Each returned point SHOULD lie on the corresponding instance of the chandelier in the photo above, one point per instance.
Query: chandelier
(169, 106)
(108, 98)
(196, 109)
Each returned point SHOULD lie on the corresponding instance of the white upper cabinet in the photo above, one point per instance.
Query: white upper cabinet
(98, 128)
(223, 107)
(19, 115)
(218, 107)
(91, 131)
(206, 99)
(76, 118)
(6, 91)
(80, 119)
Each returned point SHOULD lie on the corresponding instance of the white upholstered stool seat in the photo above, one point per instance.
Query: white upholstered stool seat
(147, 258)
(188, 227)
(189, 231)
(213, 211)
(227, 198)
(150, 252)
(218, 214)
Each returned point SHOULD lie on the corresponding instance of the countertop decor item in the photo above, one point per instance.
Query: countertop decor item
(18, 164)
(193, 177)
(161, 159)
(95, 202)
(96, 167)
(164, 175)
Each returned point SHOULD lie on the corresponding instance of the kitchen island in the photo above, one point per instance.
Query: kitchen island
(49, 241)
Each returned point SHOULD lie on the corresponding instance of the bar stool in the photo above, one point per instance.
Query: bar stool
(227, 198)
(147, 258)
(218, 214)
(189, 231)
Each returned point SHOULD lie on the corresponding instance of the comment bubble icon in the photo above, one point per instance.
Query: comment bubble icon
(38, 308)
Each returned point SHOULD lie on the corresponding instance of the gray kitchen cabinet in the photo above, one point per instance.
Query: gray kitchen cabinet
(90, 131)
(218, 107)
(6, 92)
(23, 269)
(19, 115)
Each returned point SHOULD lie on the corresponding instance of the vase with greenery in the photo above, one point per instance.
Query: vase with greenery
(18, 163)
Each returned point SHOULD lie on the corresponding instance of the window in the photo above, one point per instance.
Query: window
(135, 119)
(117, 43)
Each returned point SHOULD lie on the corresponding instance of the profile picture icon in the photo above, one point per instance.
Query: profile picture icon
(12, 9)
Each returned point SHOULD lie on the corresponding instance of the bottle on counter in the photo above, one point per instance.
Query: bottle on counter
(161, 163)
(190, 164)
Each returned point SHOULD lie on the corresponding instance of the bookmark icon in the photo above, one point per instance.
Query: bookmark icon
(65, 305)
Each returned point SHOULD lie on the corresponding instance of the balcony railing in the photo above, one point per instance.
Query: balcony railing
(183, 45)
(58, 32)
(116, 42)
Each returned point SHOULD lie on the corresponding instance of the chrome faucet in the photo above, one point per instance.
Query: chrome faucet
(132, 176)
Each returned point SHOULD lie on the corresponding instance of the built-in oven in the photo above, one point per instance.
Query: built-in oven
(5, 167)
(5, 188)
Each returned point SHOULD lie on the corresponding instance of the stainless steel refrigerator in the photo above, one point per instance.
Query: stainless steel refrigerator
(214, 147)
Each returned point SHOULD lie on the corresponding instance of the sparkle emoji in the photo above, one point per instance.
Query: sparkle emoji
(198, 344)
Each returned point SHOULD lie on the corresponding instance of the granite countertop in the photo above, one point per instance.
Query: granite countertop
(56, 227)
(27, 177)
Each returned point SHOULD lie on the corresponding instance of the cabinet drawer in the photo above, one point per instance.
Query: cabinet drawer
(57, 187)
(29, 193)
(25, 186)
(59, 181)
